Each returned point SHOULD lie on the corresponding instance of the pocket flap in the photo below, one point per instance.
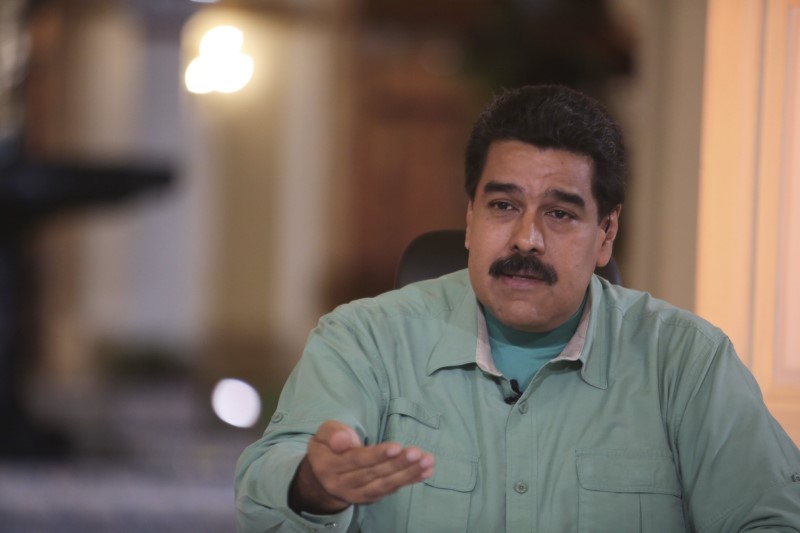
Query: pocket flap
(454, 474)
(404, 406)
(627, 471)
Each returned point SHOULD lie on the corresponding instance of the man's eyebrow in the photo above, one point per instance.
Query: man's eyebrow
(558, 194)
(499, 186)
(567, 197)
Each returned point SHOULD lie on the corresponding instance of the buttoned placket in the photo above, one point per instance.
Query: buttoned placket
(521, 463)
(522, 454)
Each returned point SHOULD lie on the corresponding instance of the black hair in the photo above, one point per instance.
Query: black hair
(553, 116)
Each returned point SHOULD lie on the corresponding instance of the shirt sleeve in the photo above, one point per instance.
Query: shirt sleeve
(739, 469)
(264, 506)
(336, 379)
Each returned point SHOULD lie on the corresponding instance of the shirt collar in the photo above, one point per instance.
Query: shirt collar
(594, 358)
(483, 352)
(457, 345)
(466, 340)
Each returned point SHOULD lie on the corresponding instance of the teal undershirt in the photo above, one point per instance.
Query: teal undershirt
(520, 354)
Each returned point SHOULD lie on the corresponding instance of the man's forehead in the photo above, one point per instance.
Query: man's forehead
(516, 167)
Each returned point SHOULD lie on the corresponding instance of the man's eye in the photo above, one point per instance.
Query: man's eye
(560, 215)
(501, 206)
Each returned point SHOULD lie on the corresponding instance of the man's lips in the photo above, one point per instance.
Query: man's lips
(521, 281)
(521, 275)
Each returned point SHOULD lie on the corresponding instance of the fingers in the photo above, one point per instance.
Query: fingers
(355, 473)
(372, 482)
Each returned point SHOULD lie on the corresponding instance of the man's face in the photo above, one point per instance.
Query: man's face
(535, 206)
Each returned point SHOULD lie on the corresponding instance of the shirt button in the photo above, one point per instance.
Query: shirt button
(277, 417)
(523, 407)
(796, 477)
(521, 487)
(330, 525)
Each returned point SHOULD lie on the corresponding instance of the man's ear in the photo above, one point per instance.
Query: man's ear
(469, 222)
(609, 229)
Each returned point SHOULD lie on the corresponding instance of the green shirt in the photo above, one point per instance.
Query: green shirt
(647, 421)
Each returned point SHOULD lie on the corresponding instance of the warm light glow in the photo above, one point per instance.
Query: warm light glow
(236, 403)
(221, 66)
(197, 80)
(222, 41)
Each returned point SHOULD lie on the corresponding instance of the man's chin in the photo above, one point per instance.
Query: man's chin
(521, 316)
(528, 326)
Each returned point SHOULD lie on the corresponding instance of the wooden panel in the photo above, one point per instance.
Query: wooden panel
(411, 124)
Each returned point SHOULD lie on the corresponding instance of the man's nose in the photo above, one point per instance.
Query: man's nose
(528, 235)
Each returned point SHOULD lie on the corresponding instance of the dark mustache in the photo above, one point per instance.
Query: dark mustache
(528, 265)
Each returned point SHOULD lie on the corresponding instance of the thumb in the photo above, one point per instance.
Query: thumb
(338, 437)
(343, 439)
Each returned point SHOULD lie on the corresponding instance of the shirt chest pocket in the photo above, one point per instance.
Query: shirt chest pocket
(440, 503)
(628, 491)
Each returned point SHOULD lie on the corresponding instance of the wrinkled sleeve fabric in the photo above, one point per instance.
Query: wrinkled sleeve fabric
(739, 469)
(337, 378)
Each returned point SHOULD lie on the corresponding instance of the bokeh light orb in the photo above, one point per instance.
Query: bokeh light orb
(236, 403)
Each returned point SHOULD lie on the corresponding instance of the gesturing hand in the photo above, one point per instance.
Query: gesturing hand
(339, 471)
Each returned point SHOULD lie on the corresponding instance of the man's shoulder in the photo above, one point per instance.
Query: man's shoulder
(642, 309)
(423, 299)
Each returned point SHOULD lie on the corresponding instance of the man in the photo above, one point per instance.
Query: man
(524, 394)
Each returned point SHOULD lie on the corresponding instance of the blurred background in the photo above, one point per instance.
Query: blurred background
(185, 187)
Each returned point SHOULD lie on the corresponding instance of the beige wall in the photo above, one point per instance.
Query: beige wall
(749, 232)
(660, 108)
(274, 168)
(226, 267)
